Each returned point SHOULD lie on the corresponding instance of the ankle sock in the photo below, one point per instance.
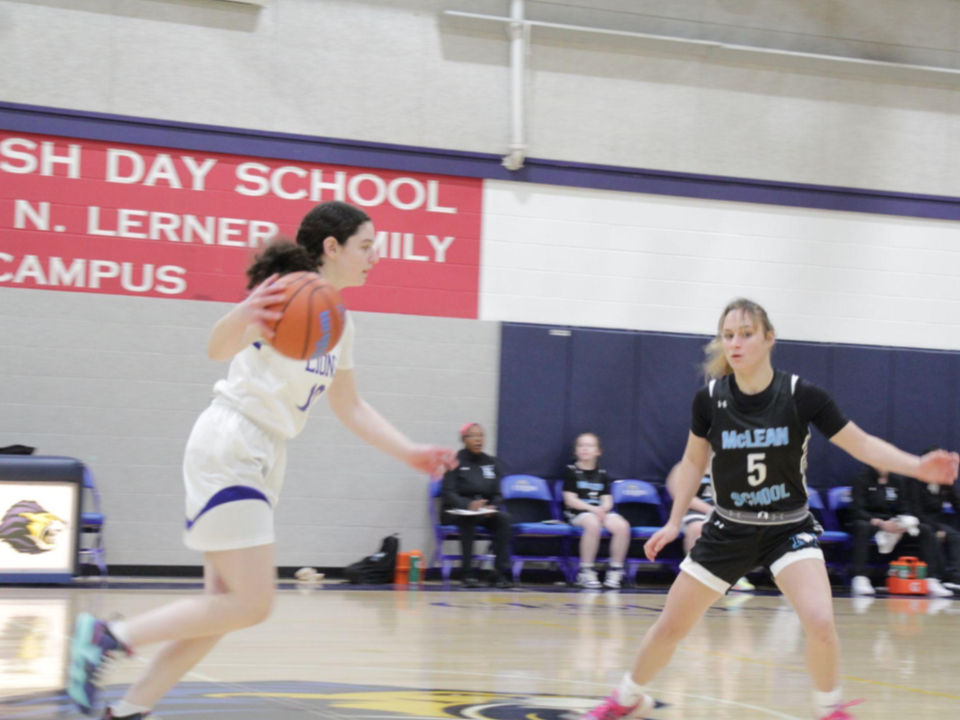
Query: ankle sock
(628, 692)
(124, 709)
(826, 702)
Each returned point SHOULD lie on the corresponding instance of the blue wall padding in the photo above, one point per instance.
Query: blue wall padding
(635, 389)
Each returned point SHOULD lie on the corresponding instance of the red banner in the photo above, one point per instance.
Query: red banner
(90, 216)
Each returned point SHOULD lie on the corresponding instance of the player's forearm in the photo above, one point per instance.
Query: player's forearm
(882, 455)
(370, 426)
(686, 486)
(229, 336)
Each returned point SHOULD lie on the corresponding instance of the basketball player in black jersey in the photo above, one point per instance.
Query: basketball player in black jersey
(753, 423)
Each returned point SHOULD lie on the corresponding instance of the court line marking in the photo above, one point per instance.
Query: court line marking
(851, 678)
(538, 676)
(313, 710)
(768, 663)
(316, 711)
(138, 659)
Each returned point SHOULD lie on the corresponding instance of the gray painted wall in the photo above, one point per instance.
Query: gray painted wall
(391, 71)
(118, 382)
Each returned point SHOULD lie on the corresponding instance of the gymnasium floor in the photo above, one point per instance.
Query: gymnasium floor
(532, 654)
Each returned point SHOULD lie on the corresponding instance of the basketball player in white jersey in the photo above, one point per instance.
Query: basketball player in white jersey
(751, 425)
(234, 464)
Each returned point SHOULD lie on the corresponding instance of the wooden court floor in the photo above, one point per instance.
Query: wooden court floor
(485, 655)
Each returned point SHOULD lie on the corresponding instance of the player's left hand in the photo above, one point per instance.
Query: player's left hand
(939, 467)
(659, 540)
(434, 461)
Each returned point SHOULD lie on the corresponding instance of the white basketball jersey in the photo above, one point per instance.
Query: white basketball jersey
(276, 392)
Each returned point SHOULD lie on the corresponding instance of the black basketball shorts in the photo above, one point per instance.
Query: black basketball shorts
(726, 551)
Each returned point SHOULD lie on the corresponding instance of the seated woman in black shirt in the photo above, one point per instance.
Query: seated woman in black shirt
(474, 487)
(588, 504)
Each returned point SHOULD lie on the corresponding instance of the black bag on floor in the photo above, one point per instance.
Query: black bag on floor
(17, 450)
(376, 569)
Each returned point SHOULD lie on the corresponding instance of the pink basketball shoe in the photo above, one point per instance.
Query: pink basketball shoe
(840, 713)
(611, 709)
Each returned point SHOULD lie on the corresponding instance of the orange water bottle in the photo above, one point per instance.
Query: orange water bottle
(401, 575)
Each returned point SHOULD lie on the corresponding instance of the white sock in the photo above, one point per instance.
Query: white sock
(120, 632)
(124, 709)
(628, 692)
(586, 566)
(826, 702)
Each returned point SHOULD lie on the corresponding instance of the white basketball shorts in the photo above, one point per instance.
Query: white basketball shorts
(233, 472)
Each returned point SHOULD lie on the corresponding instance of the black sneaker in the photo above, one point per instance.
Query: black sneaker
(108, 715)
(951, 577)
(502, 581)
(471, 581)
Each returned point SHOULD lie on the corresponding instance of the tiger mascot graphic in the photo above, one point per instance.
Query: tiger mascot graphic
(28, 528)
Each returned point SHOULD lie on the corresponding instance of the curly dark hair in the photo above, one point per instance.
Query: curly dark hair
(280, 257)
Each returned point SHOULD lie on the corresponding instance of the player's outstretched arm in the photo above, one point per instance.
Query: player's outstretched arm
(938, 466)
(248, 321)
(689, 473)
(371, 426)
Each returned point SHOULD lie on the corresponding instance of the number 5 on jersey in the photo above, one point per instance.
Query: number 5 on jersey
(756, 464)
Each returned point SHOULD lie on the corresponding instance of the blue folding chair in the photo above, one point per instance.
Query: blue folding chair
(442, 533)
(835, 542)
(639, 502)
(839, 502)
(538, 533)
(827, 519)
(92, 522)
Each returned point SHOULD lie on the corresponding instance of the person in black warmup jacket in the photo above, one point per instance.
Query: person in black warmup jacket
(878, 498)
(928, 504)
(474, 486)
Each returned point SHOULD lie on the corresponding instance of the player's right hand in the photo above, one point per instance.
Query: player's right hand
(254, 309)
(434, 461)
(661, 538)
(940, 467)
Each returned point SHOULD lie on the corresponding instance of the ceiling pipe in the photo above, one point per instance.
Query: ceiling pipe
(716, 51)
(518, 32)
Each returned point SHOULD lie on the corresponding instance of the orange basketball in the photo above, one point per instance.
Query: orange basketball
(313, 318)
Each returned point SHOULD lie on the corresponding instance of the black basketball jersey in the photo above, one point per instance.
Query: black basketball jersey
(760, 455)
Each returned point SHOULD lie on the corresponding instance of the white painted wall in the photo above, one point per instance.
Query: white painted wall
(392, 71)
(568, 256)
